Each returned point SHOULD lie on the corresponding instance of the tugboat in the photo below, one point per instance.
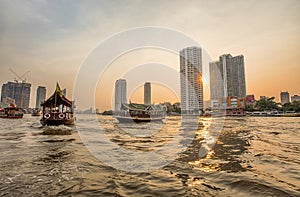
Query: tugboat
(135, 112)
(57, 109)
(11, 112)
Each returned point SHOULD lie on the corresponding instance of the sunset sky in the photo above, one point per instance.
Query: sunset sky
(52, 38)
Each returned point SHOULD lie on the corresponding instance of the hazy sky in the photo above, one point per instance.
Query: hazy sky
(52, 38)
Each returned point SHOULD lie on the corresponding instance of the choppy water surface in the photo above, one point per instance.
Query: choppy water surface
(252, 157)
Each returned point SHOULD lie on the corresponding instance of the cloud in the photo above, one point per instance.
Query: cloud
(53, 37)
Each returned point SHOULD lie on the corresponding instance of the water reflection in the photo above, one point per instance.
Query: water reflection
(225, 154)
(250, 157)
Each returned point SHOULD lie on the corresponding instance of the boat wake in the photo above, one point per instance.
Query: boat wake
(57, 130)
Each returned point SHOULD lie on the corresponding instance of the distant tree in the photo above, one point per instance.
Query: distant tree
(266, 104)
(169, 107)
(250, 108)
(297, 106)
(176, 108)
(294, 106)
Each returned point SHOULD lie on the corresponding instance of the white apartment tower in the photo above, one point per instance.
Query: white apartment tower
(120, 93)
(191, 84)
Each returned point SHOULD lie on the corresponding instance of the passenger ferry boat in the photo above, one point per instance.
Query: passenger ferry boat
(134, 112)
(57, 110)
(11, 112)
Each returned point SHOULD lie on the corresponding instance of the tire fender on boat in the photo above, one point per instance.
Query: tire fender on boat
(47, 116)
(61, 115)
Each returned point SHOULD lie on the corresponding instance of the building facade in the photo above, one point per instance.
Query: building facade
(40, 96)
(18, 91)
(250, 100)
(295, 98)
(216, 80)
(284, 97)
(232, 105)
(227, 77)
(147, 93)
(120, 93)
(191, 84)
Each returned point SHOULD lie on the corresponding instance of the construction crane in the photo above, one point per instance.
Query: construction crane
(21, 78)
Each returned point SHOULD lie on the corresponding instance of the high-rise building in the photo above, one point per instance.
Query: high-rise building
(40, 96)
(227, 77)
(18, 91)
(216, 80)
(234, 77)
(295, 98)
(284, 97)
(191, 84)
(147, 93)
(120, 93)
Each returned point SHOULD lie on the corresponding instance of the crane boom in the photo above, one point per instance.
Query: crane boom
(18, 76)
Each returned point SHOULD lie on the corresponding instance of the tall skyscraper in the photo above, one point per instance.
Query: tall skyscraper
(120, 93)
(284, 97)
(147, 93)
(216, 80)
(40, 96)
(234, 75)
(227, 77)
(18, 91)
(191, 84)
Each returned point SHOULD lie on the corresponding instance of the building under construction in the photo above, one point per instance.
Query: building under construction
(19, 91)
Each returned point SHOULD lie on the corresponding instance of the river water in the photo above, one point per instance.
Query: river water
(252, 156)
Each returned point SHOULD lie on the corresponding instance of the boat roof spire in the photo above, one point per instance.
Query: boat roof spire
(58, 90)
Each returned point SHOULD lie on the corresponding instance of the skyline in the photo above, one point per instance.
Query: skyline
(42, 37)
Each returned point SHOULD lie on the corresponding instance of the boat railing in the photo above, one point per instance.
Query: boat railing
(58, 115)
(140, 114)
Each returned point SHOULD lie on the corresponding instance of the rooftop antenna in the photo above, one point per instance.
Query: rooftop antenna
(21, 78)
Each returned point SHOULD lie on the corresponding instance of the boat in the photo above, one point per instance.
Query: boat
(273, 114)
(291, 115)
(57, 109)
(11, 112)
(134, 112)
(36, 112)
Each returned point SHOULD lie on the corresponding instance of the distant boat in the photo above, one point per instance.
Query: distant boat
(36, 112)
(134, 112)
(57, 110)
(11, 112)
(290, 115)
(273, 114)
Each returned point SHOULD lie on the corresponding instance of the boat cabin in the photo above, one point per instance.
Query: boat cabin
(57, 109)
(140, 112)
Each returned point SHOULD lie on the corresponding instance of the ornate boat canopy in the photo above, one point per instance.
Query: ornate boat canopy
(57, 99)
(141, 107)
